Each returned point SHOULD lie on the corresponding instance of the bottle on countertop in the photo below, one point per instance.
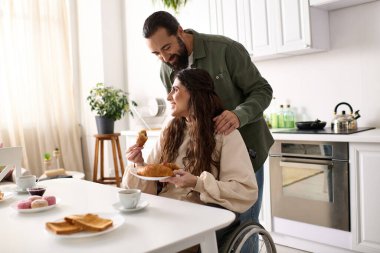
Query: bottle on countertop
(280, 114)
(288, 117)
(273, 113)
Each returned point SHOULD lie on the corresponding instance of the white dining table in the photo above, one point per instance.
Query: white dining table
(165, 225)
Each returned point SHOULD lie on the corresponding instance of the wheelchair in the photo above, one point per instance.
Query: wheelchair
(236, 239)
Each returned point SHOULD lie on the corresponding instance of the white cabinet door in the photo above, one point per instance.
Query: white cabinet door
(262, 29)
(365, 190)
(228, 18)
(300, 28)
(265, 217)
(293, 25)
(249, 22)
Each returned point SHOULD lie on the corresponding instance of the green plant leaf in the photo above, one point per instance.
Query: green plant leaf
(173, 4)
(47, 156)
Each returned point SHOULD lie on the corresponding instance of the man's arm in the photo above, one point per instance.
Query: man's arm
(256, 90)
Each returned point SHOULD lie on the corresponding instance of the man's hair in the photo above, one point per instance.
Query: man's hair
(160, 19)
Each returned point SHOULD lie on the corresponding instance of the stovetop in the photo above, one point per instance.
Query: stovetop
(323, 131)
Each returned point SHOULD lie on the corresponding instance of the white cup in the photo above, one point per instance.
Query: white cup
(129, 198)
(26, 181)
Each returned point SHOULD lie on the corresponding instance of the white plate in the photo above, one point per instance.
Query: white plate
(133, 171)
(35, 210)
(140, 205)
(7, 195)
(117, 221)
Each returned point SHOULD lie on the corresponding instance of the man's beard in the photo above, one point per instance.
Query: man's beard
(182, 58)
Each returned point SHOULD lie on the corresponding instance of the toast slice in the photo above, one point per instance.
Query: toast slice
(89, 222)
(70, 219)
(63, 227)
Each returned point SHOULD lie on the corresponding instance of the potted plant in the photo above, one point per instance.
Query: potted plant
(110, 104)
(174, 4)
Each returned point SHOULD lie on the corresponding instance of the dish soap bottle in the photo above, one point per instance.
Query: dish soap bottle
(273, 117)
(288, 117)
(281, 122)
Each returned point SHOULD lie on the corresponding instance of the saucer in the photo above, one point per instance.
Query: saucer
(140, 205)
(19, 190)
(15, 189)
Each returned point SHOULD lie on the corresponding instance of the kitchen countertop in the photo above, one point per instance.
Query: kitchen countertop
(366, 136)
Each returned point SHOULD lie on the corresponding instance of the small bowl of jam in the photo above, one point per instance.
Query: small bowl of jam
(37, 190)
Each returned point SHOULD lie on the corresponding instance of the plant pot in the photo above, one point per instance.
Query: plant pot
(47, 165)
(104, 125)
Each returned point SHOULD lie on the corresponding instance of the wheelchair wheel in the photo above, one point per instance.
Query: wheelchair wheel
(241, 234)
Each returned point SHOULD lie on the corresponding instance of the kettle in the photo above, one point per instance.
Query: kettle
(344, 122)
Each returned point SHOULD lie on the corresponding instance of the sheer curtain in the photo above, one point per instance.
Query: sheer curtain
(36, 82)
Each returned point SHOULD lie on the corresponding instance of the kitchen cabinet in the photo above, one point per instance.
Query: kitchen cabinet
(299, 28)
(227, 17)
(365, 206)
(262, 25)
(265, 217)
(336, 4)
(271, 28)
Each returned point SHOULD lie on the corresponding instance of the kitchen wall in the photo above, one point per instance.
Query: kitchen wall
(313, 84)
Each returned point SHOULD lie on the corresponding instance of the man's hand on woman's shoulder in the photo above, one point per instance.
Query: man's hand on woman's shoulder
(226, 122)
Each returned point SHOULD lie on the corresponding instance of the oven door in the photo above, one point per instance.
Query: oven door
(313, 191)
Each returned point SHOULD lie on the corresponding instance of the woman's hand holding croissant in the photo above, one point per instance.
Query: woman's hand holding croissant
(134, 154)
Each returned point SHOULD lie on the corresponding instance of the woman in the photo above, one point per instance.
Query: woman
(215, 168)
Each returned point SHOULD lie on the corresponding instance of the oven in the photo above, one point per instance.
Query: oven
(310, 182)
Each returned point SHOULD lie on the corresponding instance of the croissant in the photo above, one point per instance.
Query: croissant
(172, 166)
(141, 138)
(155, 170)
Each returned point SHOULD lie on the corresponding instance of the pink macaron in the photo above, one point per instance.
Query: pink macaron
(34, 197)
(50, 199)
(24, 204)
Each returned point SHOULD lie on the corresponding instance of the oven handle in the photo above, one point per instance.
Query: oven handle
(305, 165)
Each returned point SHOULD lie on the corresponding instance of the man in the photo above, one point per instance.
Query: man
(244, 92)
